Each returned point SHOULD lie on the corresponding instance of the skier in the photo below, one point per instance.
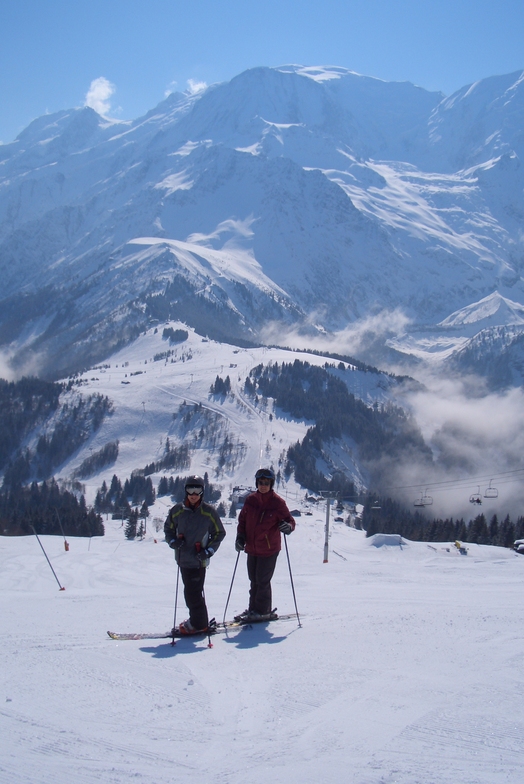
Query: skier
(194, 530)
(261, 521)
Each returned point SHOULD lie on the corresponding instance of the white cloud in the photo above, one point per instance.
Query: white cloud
(171, 88)
(31, 366)
(6, 371)
(194, 87)
(355, 339)
(99, 94)
(477, 435)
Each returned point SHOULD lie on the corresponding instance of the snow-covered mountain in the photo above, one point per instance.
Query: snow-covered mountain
(291, 198)
(485, 338)
(160, 393)
(160, 398)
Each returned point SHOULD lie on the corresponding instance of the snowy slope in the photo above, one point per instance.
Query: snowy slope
(161, 392)
(351, 196)
(479, 122)
(147, 396)
(406, 668)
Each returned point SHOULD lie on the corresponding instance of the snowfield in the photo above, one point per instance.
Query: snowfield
(406, 669)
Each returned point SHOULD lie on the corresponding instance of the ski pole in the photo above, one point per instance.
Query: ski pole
(176, 600)
(291, 578)
(209, 643)
(230, 588)
(48, 561)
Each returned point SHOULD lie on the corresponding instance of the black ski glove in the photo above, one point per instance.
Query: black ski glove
(240, 543)
(285, 527)
(176, 544)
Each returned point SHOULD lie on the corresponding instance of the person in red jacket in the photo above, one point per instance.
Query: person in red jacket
(262, 520)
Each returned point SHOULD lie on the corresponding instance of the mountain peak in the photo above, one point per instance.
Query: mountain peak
(303, 194)
(493, 310)
(318, 73)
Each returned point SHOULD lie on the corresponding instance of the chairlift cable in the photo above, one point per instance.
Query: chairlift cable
(502, 478)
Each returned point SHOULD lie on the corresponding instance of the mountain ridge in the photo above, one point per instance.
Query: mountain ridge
(340, 187)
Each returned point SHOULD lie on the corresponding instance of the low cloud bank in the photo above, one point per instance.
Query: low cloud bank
(356, 339)
(476, 436)
(6, 371)
(477, 439)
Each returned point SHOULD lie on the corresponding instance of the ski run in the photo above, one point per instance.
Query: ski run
(406, 669)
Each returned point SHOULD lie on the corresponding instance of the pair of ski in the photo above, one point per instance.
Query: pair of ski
(213, 628)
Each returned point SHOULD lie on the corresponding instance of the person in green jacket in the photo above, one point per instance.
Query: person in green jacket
(194, 530)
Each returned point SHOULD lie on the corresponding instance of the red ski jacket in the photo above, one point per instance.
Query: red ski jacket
(258, 522)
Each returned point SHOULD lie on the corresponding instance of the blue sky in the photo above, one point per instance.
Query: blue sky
(51, 51)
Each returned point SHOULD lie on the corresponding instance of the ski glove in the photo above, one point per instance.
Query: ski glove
(176, 544)
(240, 543)
(285, 527)
(204, 553)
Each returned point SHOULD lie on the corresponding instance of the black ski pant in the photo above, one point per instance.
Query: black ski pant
(260, 571)
(193, 580)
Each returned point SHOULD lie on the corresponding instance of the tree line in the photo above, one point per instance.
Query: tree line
(384, 434)
(119, 499)
(31, 403)
(391, 517)
(23, 405)
(48, 509)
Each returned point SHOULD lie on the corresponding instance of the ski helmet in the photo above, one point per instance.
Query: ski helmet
(265, 473)
(194, 482)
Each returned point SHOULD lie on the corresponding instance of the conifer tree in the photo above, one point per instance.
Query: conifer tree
(130, 529)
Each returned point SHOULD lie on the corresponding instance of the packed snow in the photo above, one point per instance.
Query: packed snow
(406, 667)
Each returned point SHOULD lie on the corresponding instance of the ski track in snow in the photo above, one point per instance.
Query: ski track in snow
(406, 669)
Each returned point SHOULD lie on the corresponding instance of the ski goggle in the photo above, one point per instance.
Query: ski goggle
(264, 473)
(194, 490)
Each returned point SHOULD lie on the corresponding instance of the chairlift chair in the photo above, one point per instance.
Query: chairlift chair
(424, 500)
(427, 499)
(476, 498)
(491, 492)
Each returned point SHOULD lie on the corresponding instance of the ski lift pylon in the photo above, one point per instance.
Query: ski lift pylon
(491, 492)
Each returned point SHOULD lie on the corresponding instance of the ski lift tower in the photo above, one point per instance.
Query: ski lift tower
(328, 495)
